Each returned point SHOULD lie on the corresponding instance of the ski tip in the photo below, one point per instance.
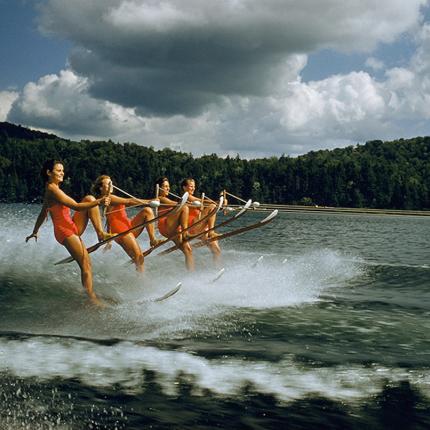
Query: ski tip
(244, 208)
(169, 293)
(270, 216)
(184, 198)
(259, 260)
(218, 275)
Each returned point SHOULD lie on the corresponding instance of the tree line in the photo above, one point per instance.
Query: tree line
(376, 174)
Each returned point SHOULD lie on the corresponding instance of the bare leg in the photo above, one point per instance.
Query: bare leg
(211, 221)
(184, 217)
(173, 222)
(78, 251)
(188, 253)
(213, 246)
(81, 219)
(145, 215)
(208, 224)
(179, 219)
(132, 248)
(216, 251)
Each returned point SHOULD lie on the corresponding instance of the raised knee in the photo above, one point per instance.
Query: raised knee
(88, 198)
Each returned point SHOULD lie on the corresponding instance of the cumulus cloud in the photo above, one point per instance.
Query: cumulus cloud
(338, 106)
(181, 56)
(410, 87)
(6, 100)
(61, 102)
(374, 63)
(225, 76)
(356, 106)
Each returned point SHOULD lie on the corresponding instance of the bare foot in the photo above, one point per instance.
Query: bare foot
(97, 302)
(156, 242)
(105, 235)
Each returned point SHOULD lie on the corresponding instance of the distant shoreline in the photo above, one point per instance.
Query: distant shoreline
(310, 209)
(330, 209)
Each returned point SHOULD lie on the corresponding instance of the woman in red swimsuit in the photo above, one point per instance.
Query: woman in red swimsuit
(189, 185)
(67, 230)
(119, 222)
(174, 222)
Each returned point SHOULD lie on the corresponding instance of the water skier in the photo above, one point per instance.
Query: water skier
(189, 185)
(174, 223)
(68, 230)
(119, 222)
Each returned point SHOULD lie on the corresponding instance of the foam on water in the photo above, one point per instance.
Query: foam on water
(125, 362)
(200, 305)
(203, 306)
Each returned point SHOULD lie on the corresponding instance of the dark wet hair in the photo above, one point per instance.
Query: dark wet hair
(186, 181)
(49, 165)
(160, 180)
(95, 188)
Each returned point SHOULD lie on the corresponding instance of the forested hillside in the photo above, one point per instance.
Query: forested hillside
(375, 175)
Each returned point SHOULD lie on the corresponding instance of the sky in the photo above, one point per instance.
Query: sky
(248, 77)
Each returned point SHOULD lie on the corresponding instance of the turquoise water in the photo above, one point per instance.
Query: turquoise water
(330, 329)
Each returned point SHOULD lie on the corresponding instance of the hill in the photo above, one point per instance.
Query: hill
(387, 175)
(12, 131)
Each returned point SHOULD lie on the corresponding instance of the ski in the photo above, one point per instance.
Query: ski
(258, 261)
(218, 275)
(212, 212)
(103, 242)
(222, 224)
(163, 297)
(240, 230)
(152, 248)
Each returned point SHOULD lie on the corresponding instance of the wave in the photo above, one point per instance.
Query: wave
(386, 264)
(125, 363)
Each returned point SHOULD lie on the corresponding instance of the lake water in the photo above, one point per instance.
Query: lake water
(330, 329)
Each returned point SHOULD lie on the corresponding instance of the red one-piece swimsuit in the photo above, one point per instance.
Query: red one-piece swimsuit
(118, 220)
(64, 226)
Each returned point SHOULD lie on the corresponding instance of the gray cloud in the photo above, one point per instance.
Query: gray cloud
(180, 56)
(224, 76)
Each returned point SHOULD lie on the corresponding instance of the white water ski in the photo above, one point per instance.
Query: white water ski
(240, 230)
(259, 260)
(163, 297)
(218, 275)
